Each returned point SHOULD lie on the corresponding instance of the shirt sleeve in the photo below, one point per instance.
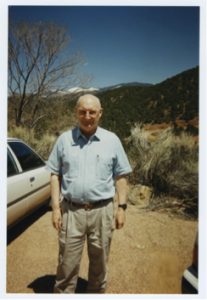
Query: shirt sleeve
(121, 164)
(54, 163)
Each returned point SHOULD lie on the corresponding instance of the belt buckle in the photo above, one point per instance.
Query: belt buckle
(88, 206)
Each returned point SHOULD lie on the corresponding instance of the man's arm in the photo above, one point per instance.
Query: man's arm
(121, 187)
(55, 184)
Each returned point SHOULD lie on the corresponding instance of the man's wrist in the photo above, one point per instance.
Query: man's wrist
(55, 207)
(122, 206)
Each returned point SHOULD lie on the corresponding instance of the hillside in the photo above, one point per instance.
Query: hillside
(124, 84)
(175, 99)
(172, 100)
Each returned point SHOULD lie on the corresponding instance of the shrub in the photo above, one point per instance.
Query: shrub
(45, 145)
(177, 130)
(169, 164)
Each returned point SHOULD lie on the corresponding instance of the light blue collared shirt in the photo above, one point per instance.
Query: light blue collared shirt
(88, 167)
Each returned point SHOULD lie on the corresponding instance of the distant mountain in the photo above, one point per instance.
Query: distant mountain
(74, 90)
(96, 90)
(53, 93)
(124, 84)
(80, 90)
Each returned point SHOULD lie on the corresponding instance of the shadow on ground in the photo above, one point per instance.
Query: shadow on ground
(20, 227)
(45, 284)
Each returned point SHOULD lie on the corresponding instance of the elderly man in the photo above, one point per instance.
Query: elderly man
(83, 164)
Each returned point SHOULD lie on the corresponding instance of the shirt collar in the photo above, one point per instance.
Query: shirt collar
(79, 133)
(97, 134)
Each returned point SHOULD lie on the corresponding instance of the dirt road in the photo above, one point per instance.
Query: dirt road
(148, 256)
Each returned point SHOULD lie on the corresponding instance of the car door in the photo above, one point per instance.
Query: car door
(40, 187)
(17, 190)
(34, 169)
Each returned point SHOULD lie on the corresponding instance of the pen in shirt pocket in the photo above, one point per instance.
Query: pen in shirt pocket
(97, 158)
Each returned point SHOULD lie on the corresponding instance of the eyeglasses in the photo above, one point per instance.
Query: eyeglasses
(84, 113)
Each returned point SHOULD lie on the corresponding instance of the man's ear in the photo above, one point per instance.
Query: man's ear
(100, 112)
(76, 111)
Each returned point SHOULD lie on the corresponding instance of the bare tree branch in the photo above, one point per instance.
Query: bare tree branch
(39, 66)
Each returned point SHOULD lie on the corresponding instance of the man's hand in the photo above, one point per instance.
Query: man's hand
(57, 219)
(121, 186)
(120, 218)
(55, 183)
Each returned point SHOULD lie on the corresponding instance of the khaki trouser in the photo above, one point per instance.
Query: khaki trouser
(97, 225)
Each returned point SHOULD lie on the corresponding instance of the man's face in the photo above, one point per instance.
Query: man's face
(88, 113)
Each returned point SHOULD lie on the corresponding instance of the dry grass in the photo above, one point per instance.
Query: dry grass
(43, 146)
(21, 133)
(169, 165)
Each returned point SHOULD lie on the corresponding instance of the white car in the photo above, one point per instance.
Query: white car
(28, 183)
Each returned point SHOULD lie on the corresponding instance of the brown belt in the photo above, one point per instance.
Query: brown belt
(88, 205)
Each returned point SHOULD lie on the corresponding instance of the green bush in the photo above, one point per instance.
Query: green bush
(192, 130)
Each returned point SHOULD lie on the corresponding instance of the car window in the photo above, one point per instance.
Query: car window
(11, 165)
(28, 159)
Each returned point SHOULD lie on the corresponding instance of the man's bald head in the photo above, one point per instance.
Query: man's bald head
(88, 112)
(89, 98)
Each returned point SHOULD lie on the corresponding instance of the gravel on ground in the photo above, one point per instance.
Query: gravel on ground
(148, 255)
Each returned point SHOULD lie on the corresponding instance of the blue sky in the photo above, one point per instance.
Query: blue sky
(127, 43)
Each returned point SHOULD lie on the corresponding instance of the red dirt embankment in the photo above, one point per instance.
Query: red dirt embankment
(154, 130)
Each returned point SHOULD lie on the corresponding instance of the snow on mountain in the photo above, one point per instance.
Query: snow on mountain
(53, 93)
(117, 87)
(79, 89)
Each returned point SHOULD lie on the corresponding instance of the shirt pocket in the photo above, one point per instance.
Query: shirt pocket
(103, 167)
(71, 166)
